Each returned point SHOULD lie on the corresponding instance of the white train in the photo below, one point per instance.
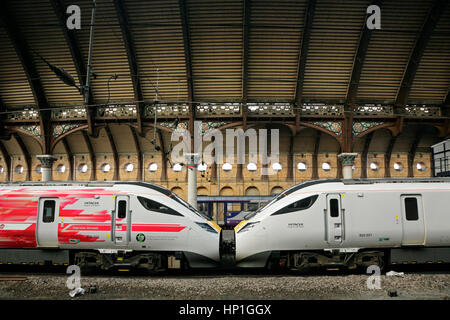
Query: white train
(103, 224)
(349, 223)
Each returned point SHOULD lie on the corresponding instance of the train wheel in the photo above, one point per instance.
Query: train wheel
(370, 258)
(87, 262)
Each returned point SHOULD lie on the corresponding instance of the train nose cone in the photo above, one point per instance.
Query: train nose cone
(251, 239)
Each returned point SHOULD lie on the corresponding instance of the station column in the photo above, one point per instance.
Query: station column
(191, 164)
(347, 159)
(46, 162)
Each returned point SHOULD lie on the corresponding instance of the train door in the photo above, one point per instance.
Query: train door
(47, 223)
(334, 220)
(121, 222)
(412, 220)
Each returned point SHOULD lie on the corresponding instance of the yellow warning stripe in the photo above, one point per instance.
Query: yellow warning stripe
(240, 225)
(215, 226)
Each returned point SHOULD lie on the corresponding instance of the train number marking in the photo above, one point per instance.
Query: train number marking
(295, 225)
(365, 235)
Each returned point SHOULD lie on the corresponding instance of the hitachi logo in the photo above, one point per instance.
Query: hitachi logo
(91, 203)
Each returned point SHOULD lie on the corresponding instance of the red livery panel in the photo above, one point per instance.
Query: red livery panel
(19, 210)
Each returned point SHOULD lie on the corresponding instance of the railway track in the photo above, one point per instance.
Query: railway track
(16, 271)
(13, 278)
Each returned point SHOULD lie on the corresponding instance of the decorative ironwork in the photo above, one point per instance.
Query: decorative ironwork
(422, 111)
(319, 109)
(332, 126)
(117, 111)
(46, 160)
(23, 115)
(210, 125)
(35, 130)
(175, 126)
(166, 109)
(218, 108)
(373, 110)
(72, 113)
(204, 126)
(361, 126)
(273, 109)
(60, 129)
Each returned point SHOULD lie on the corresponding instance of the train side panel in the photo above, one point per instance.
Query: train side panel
(157, 231)
(298, 230)
(85, 222)
(371, 219)
(437, 218)
(17, 219)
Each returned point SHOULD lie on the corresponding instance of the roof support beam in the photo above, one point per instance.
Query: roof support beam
(347, 132)
(164, 156)
(188, 63)
(132, 62)
(365, 153)
(315, 162)
(387, 156)
(26, 154)
(25, 57)
(88, 143)
(422, 40)
(114, 151)
(77, 57)
(412, 153)
(7, 159)
(214, 166)
(303, 54)
(69, 154)
(358, 63)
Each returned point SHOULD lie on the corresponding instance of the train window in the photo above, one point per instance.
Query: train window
(157, 207)
(49, 211)
(122, 210)
(298, 205)
(334, 208)
(411, 210)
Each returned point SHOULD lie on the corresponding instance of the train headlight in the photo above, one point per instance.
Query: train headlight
(206, 227)
(248, 226)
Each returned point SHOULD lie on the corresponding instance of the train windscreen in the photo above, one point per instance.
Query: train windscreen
(187, 205)
(288, 192)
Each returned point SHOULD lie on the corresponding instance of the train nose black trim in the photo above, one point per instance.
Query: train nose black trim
(227, 249)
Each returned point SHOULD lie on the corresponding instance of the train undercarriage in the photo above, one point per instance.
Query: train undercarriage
(152, 262)
(92, 260)
(330, 260)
